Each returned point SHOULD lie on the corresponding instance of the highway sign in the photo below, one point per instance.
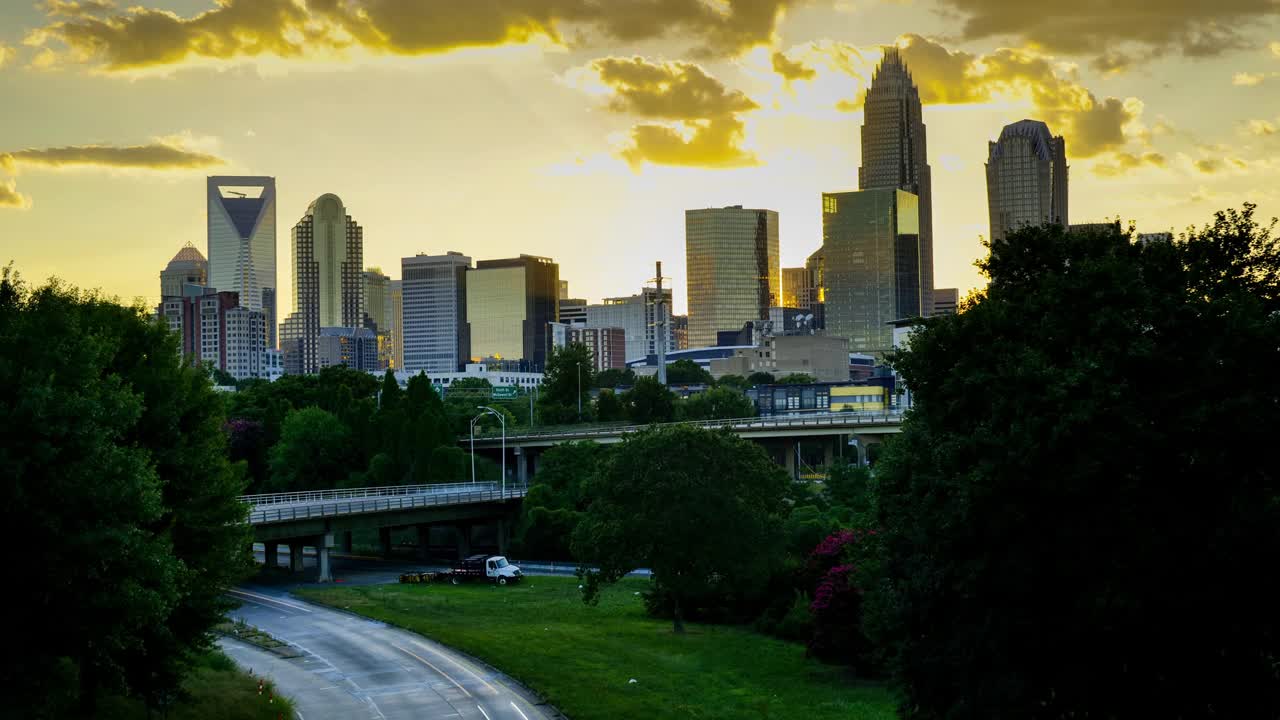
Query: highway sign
(504, 392)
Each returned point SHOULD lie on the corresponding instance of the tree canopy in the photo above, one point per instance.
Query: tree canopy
(717, 403)
(687, 372)
(1080, 502)
(649, 401)
(567, 386)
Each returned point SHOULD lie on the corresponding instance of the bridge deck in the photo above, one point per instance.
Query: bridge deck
(288, 507)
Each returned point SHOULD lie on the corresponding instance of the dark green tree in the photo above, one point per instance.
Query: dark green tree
(761, 378)
(569, 378)
(313, 453)
(737, 382)
(556, 500)
(687, 372)
(700, 508)
(649, 401)
(614, 377)
(796, 379)
(1079, 503)
(609, 407)
(717, 403)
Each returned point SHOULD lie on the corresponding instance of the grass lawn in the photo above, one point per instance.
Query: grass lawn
(581, 658)
(216, 689)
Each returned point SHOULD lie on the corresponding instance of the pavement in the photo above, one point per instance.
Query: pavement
(353, 667)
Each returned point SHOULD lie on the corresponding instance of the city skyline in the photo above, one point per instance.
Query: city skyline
(589, 173)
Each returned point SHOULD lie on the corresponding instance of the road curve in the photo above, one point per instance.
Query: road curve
(353, 667)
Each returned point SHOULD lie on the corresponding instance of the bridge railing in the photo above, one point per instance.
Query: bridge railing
(311, 496)
(827, 419)
(330, 507)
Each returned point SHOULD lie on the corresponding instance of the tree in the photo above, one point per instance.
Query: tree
(557, 498)
(796, 379)
(609, 408)
(1079, 501)
(737, 382)
(567, 385)
(687, 372)
(699, 507)
(760, 378)
(717, 403)
(312, 453)
(614, 377)
(649, 401)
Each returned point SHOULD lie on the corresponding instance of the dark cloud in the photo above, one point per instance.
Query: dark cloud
(1123, 163)
(154, 156)
(1209, 166)
(11, 198)
(703, 125)
(1193, 27)
(792, 70)
(143, 37)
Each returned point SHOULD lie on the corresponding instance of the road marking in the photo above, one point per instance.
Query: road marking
(459, 664)
(440, 672)
(299, 714)
(295, 606)
(517, 709)
(482, 712)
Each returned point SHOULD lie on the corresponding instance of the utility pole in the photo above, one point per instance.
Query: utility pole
(660, 325)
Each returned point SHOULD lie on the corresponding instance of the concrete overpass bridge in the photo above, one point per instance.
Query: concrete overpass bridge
(316, 518)
(800, 443)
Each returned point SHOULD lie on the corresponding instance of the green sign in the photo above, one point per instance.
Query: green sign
(504, 392)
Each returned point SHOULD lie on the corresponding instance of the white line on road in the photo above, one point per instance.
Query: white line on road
(458, 664)
(482, 712)
(299, 714)
(236, 591)
(517, 709)
(440, 672)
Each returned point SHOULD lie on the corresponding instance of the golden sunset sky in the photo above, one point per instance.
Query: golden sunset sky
(583, 129)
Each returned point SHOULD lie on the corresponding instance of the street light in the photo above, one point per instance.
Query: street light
(502, 419)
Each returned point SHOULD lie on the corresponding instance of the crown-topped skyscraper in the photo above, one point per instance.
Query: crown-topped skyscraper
(894, 153)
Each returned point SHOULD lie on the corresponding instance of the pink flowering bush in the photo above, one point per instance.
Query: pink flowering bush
(836, 608)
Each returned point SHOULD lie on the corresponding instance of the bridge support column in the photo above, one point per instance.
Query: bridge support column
(522, 466)
(295, 557)
(384, 542)
(346, 541)
(424, 540)
(502, 536)
(859, 448)
(271, 554)
(323, 543)
(463, 533)
(792, 448)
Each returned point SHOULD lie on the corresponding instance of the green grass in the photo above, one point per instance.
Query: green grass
(216, 690)
(581, 658)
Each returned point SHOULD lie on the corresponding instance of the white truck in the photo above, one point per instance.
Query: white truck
(490, 568)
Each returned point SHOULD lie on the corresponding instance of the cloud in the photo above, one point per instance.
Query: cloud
(1124, 162)
(142, 37)
(1275, 49)
(6, 54)
(1261, 127)
(700, 124)
(11, 198)
(76, 8)
(1092, 125)
(162, 154)
(1212, 166)
(792, 70)
(1247, 79)
(1191, 27)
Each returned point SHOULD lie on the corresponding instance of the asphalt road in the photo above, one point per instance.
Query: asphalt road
(352, 667)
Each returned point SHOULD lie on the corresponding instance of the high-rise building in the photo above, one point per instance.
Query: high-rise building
(242, 242)
(731, 263)
(214, 329)
(510, 303)
(894, 151)
(396, 298)
(377, 313)
(573, 311)
(795, 281)
(436, 337)
(814, 299)
(680, 332)
(328, 279)
(945, 301)
(188, 267)
(638, 316)
(563, 293)
(355, 347)
(608, 345)
(871, 277)
(1026, 178)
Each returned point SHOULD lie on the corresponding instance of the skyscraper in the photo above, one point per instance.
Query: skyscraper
(894, 152)
(871, 276)
(1026, 178)
(188, 267)
(396, 295)
(434, 328)
(242, 242)
(377, 313)
(637, 316)
(731, 263)
(510, 303)
(328, 278)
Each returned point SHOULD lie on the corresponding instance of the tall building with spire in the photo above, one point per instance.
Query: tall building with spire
(895, 154)
(242, 242)
(1026, 178)
(328, 281)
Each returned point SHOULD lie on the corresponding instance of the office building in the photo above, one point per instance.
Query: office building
(894, 151)
(510, 304)
(563, 293)
(496, 372)
(795, 283)
(608, 345)
(639, 316)
(945, 301)
(731, 262)
(825, 359)
(242, 242)
(355, 347)
(434, 309)
(328, 279)
(1026, 178)
(871, 261)
(377, 313)
(680, 332)
(188, 267)
(573, 311)
(215, 330)
(396, 298)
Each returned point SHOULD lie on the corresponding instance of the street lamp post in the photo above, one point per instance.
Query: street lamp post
(473, 447)
(503, 420)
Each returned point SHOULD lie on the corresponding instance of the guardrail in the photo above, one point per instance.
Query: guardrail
(767, 422)
(331, 507)
(310, 496)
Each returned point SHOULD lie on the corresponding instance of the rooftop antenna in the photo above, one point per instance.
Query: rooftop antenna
(660, 324)
(236, 192)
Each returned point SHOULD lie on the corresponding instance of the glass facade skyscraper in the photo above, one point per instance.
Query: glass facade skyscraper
(871, 265)
(241, 214)
(1026, 178)
(895, 153)
(436, 336)
(510, 305)
(732, 271)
